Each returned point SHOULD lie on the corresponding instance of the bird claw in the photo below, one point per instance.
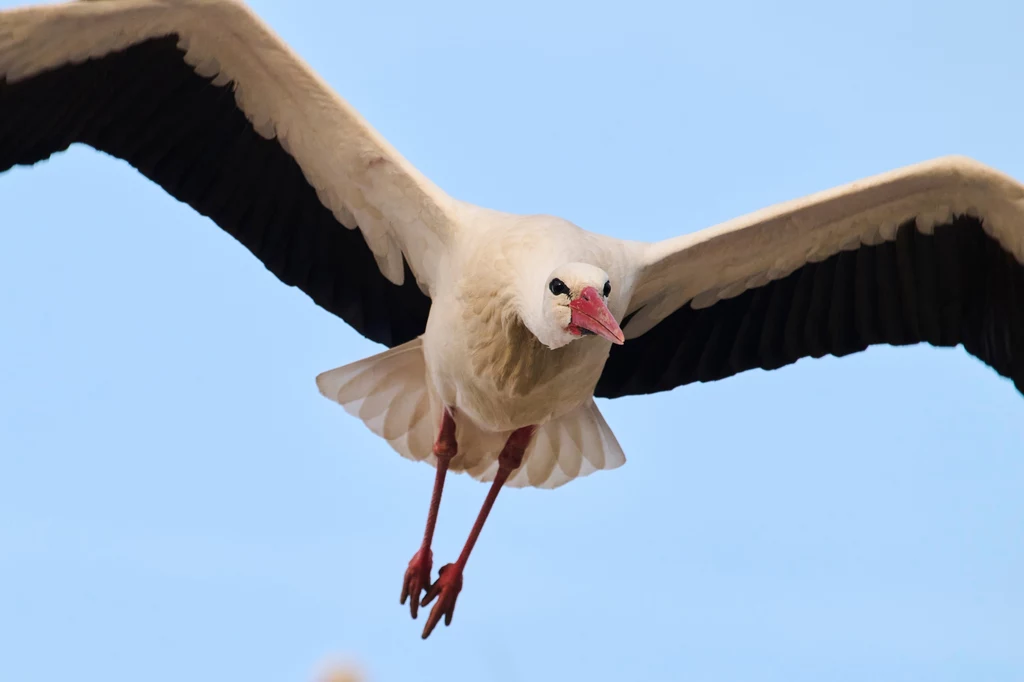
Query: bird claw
(446, 591)
(417, 578)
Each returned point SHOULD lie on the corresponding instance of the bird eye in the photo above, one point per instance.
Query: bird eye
(558, 287)
(607, 289)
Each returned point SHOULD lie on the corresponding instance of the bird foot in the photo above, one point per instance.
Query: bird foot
(417, 578)
(446, 591)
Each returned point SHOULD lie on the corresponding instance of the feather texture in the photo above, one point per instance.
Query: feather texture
(388, 392)
(954, 286)
(203, 98)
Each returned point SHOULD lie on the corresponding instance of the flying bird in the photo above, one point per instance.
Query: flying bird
(501, 329)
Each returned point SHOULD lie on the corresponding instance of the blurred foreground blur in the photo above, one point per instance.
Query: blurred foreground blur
(346, 672)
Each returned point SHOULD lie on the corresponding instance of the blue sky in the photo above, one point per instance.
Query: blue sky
(178, 502)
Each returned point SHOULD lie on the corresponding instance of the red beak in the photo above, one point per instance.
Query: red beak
(589, 312)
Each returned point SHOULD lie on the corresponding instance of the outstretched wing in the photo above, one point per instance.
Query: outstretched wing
(930, 253)
(205, 100)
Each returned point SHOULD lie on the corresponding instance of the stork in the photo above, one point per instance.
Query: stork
(501, 329)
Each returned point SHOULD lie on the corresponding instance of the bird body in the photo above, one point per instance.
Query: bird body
(481, 350)
(500, 329)
(481, 357)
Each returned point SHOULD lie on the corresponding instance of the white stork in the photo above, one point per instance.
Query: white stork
(502, 328)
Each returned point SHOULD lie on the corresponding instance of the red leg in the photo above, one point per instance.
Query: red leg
(417, 575)
(449, 581)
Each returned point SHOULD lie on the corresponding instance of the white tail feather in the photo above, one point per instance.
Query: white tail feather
(572, 446)
(389, 392)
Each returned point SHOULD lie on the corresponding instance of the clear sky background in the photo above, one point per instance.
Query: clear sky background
(177, 502)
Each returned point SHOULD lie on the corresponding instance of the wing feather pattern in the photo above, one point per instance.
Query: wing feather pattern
(205, 100)
(931, 253)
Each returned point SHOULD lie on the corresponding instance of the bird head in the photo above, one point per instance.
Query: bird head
(576, 302)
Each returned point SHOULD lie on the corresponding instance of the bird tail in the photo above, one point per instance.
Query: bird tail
(389, 392)
(572, 446)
